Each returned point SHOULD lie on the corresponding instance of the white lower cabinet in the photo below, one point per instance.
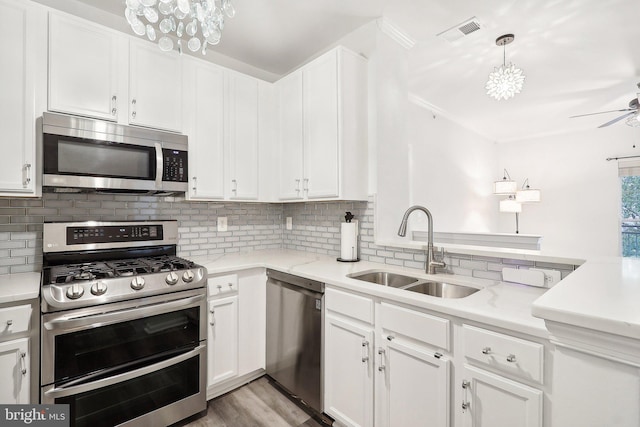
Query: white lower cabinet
(348, 372)
(14, 371)
(412, 386)
(380, 361)
(236, 329)
(491, 400)
(222, 339)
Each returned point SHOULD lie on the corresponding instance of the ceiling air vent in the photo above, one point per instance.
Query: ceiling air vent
(463, 29)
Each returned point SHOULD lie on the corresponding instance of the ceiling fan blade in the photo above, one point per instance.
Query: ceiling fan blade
(603, 112)
(617, 119)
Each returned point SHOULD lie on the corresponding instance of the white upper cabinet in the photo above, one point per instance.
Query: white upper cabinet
(23, 94)
(84, 66)
(243, 137)
(290, 152)
(204, 124)
(155, 87)
(323, 129)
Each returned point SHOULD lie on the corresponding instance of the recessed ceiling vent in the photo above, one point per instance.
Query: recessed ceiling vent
(457, 32)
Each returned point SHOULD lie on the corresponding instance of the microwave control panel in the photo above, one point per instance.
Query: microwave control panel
(175, 165)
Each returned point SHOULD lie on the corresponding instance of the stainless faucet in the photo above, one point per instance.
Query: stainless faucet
(432, 264)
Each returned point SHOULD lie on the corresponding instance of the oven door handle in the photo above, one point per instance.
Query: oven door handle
(120, 315)
(105, 382)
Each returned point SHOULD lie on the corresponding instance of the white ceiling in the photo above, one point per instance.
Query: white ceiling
(579, 56)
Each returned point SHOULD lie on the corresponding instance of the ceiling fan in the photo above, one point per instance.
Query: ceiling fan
(630, 112)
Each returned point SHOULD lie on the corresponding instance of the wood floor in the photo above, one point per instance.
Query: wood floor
(257, 404)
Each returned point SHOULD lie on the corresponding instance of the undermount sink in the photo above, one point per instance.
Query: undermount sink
(414, 284)
(385, 278)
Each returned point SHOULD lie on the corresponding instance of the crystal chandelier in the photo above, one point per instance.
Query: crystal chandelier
(507, 80)
(200, 22)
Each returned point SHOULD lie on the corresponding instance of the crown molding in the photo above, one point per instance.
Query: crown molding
(396, 33)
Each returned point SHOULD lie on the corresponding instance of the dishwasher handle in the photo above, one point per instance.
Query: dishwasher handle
(296, 282)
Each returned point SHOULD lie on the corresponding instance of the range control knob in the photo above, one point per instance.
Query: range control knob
(187, 276)
(137, 283)
(171, 279)
(99, 288)
(75, 291)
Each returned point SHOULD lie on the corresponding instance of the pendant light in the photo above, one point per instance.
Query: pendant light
(507, 80)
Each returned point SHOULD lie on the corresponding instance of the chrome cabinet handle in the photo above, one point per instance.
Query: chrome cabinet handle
(305, 186)
(9, 322)
(297, 188)
(195, 183)
(465, 384)
(114, 110)
(23, 362)
(466, 405)
(365, 358)
(390, 337)
(511, 358)
(382, 366)
(27, 170)
(212, 322)
(234, 188)
(133, 104)
(486, 350)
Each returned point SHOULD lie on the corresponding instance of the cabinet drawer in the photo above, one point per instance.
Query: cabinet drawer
(414, 324)
(355, 306)
(222, 285)
(512, 355)
(14, 320)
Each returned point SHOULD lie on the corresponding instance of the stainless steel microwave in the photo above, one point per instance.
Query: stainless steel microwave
(87, 154)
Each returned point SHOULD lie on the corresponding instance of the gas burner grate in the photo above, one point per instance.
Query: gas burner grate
(80, 272)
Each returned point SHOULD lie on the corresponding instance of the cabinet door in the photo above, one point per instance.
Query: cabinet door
(155, 87)
(290, 142)
(251, 321)
(243, 136)
(348, 377)
(14, 372)
(222, 345)
(412, 387)
(83, 68)
(321, 127)
(494, 401)
(204, 118)
(22, 62)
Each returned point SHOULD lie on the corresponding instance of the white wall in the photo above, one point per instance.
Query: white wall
(451, 170)
(579, 212)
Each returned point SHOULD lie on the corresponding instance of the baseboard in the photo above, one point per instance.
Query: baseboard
(233, 383)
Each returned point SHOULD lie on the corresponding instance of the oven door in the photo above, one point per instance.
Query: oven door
(115, 363)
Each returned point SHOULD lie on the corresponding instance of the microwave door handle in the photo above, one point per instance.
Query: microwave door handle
(159, 165)
(105, 382)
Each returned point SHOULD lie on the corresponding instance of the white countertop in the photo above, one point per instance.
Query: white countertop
(19, 287)
(499, 304)
(603, 295)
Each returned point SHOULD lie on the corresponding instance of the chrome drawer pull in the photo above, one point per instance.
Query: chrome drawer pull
(511, 358)
(486, 350)
(9, 322)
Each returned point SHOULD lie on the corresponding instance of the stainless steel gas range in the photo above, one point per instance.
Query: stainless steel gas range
(123, 324)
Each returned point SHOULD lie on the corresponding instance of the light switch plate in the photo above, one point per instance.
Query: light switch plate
(222, 223)
(289, 223)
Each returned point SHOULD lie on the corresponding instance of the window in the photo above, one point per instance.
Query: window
(629, 172)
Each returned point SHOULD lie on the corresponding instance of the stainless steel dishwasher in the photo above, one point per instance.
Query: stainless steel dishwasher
(294, 336)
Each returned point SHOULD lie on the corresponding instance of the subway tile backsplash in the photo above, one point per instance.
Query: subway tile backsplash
(251, 226)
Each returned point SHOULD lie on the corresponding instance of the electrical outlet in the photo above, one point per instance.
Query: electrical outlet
(222, 223)
(289, 223)
(551, 277)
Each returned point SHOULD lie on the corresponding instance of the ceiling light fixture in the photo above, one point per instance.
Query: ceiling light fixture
(199, 21)
(507, 80)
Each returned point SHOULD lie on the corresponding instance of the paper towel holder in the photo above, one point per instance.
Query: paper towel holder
(348, 217)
